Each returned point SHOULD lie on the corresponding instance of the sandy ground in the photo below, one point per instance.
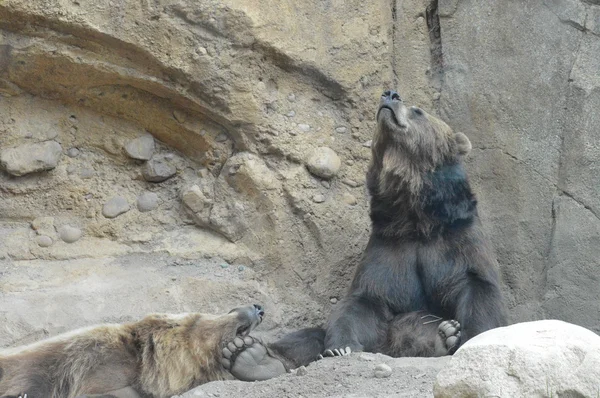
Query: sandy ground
(346, 377)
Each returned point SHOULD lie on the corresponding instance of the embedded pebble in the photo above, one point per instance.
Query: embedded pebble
(324, 163)
(43, 241)
(224, 266)
(69, 234)
(158, 170)
(349, 199)
(303, 127)
(222, 137)
(115, 206)
(292, 97)
(241, 268)
(73, 152)
(147, 201)
(140, 148)
(318, 198)
(31, 158)
(43, 225)
(301, 371)
(382, 370)
(86, 173)
(326, 184)
(351, 183)
(179, 116)
(368, 144)
(366, 356)
(333, 300)
(291, 114)
(341, 129)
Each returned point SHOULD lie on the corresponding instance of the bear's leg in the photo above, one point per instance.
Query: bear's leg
(300, 348)
(420, 334)
(480, 307)
(357, 324)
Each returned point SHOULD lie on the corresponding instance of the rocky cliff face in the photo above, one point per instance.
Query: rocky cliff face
(175, 156)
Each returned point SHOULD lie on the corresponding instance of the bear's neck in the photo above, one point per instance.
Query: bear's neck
(443, 202)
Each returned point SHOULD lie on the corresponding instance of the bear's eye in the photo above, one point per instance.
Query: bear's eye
(417, 111)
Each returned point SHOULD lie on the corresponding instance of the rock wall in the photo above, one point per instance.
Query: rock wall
(171, 156)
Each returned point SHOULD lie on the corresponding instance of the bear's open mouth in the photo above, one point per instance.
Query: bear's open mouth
(243, 330)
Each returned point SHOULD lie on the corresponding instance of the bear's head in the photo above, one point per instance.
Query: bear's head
(416, 178)
(410, 142)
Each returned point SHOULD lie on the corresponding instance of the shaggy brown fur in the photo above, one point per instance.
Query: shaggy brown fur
(159, 356)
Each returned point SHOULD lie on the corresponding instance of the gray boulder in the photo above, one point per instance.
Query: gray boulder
(533, 359)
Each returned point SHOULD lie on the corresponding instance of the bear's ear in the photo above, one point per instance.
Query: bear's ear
(463, 145)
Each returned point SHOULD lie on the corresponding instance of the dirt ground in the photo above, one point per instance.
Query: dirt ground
(345, 377)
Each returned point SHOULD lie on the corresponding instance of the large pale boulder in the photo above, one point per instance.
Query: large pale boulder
(532, 359)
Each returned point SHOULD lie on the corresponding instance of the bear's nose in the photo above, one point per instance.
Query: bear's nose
(259, 309)
(391, 95)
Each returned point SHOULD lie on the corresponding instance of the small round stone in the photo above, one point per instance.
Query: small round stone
(179, 116)
(147, 201)
(241, 268)
(367, 144)
(340, 129)
(73, 152)
(224, 266)
(115, 207)
(43, 241)
(303, 127)
(158, 170)
(222, 137)
(140, 148)
(291, 114)
(333, 300)
(318, 198)
(301, 371)
(292, 97)
(382, 371)
(69, 234)
(350, 199)
(324, 163)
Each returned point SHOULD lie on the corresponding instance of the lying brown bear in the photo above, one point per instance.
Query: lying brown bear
(160, 356)
(428, 279)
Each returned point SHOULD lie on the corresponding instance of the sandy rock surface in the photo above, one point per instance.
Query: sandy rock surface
(347, 377)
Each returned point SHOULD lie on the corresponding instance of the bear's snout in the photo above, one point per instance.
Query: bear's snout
(259, 310)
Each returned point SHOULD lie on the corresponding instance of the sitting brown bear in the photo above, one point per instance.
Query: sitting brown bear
(428, 280)
(160, 356)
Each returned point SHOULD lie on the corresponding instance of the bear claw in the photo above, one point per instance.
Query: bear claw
(336, 352)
